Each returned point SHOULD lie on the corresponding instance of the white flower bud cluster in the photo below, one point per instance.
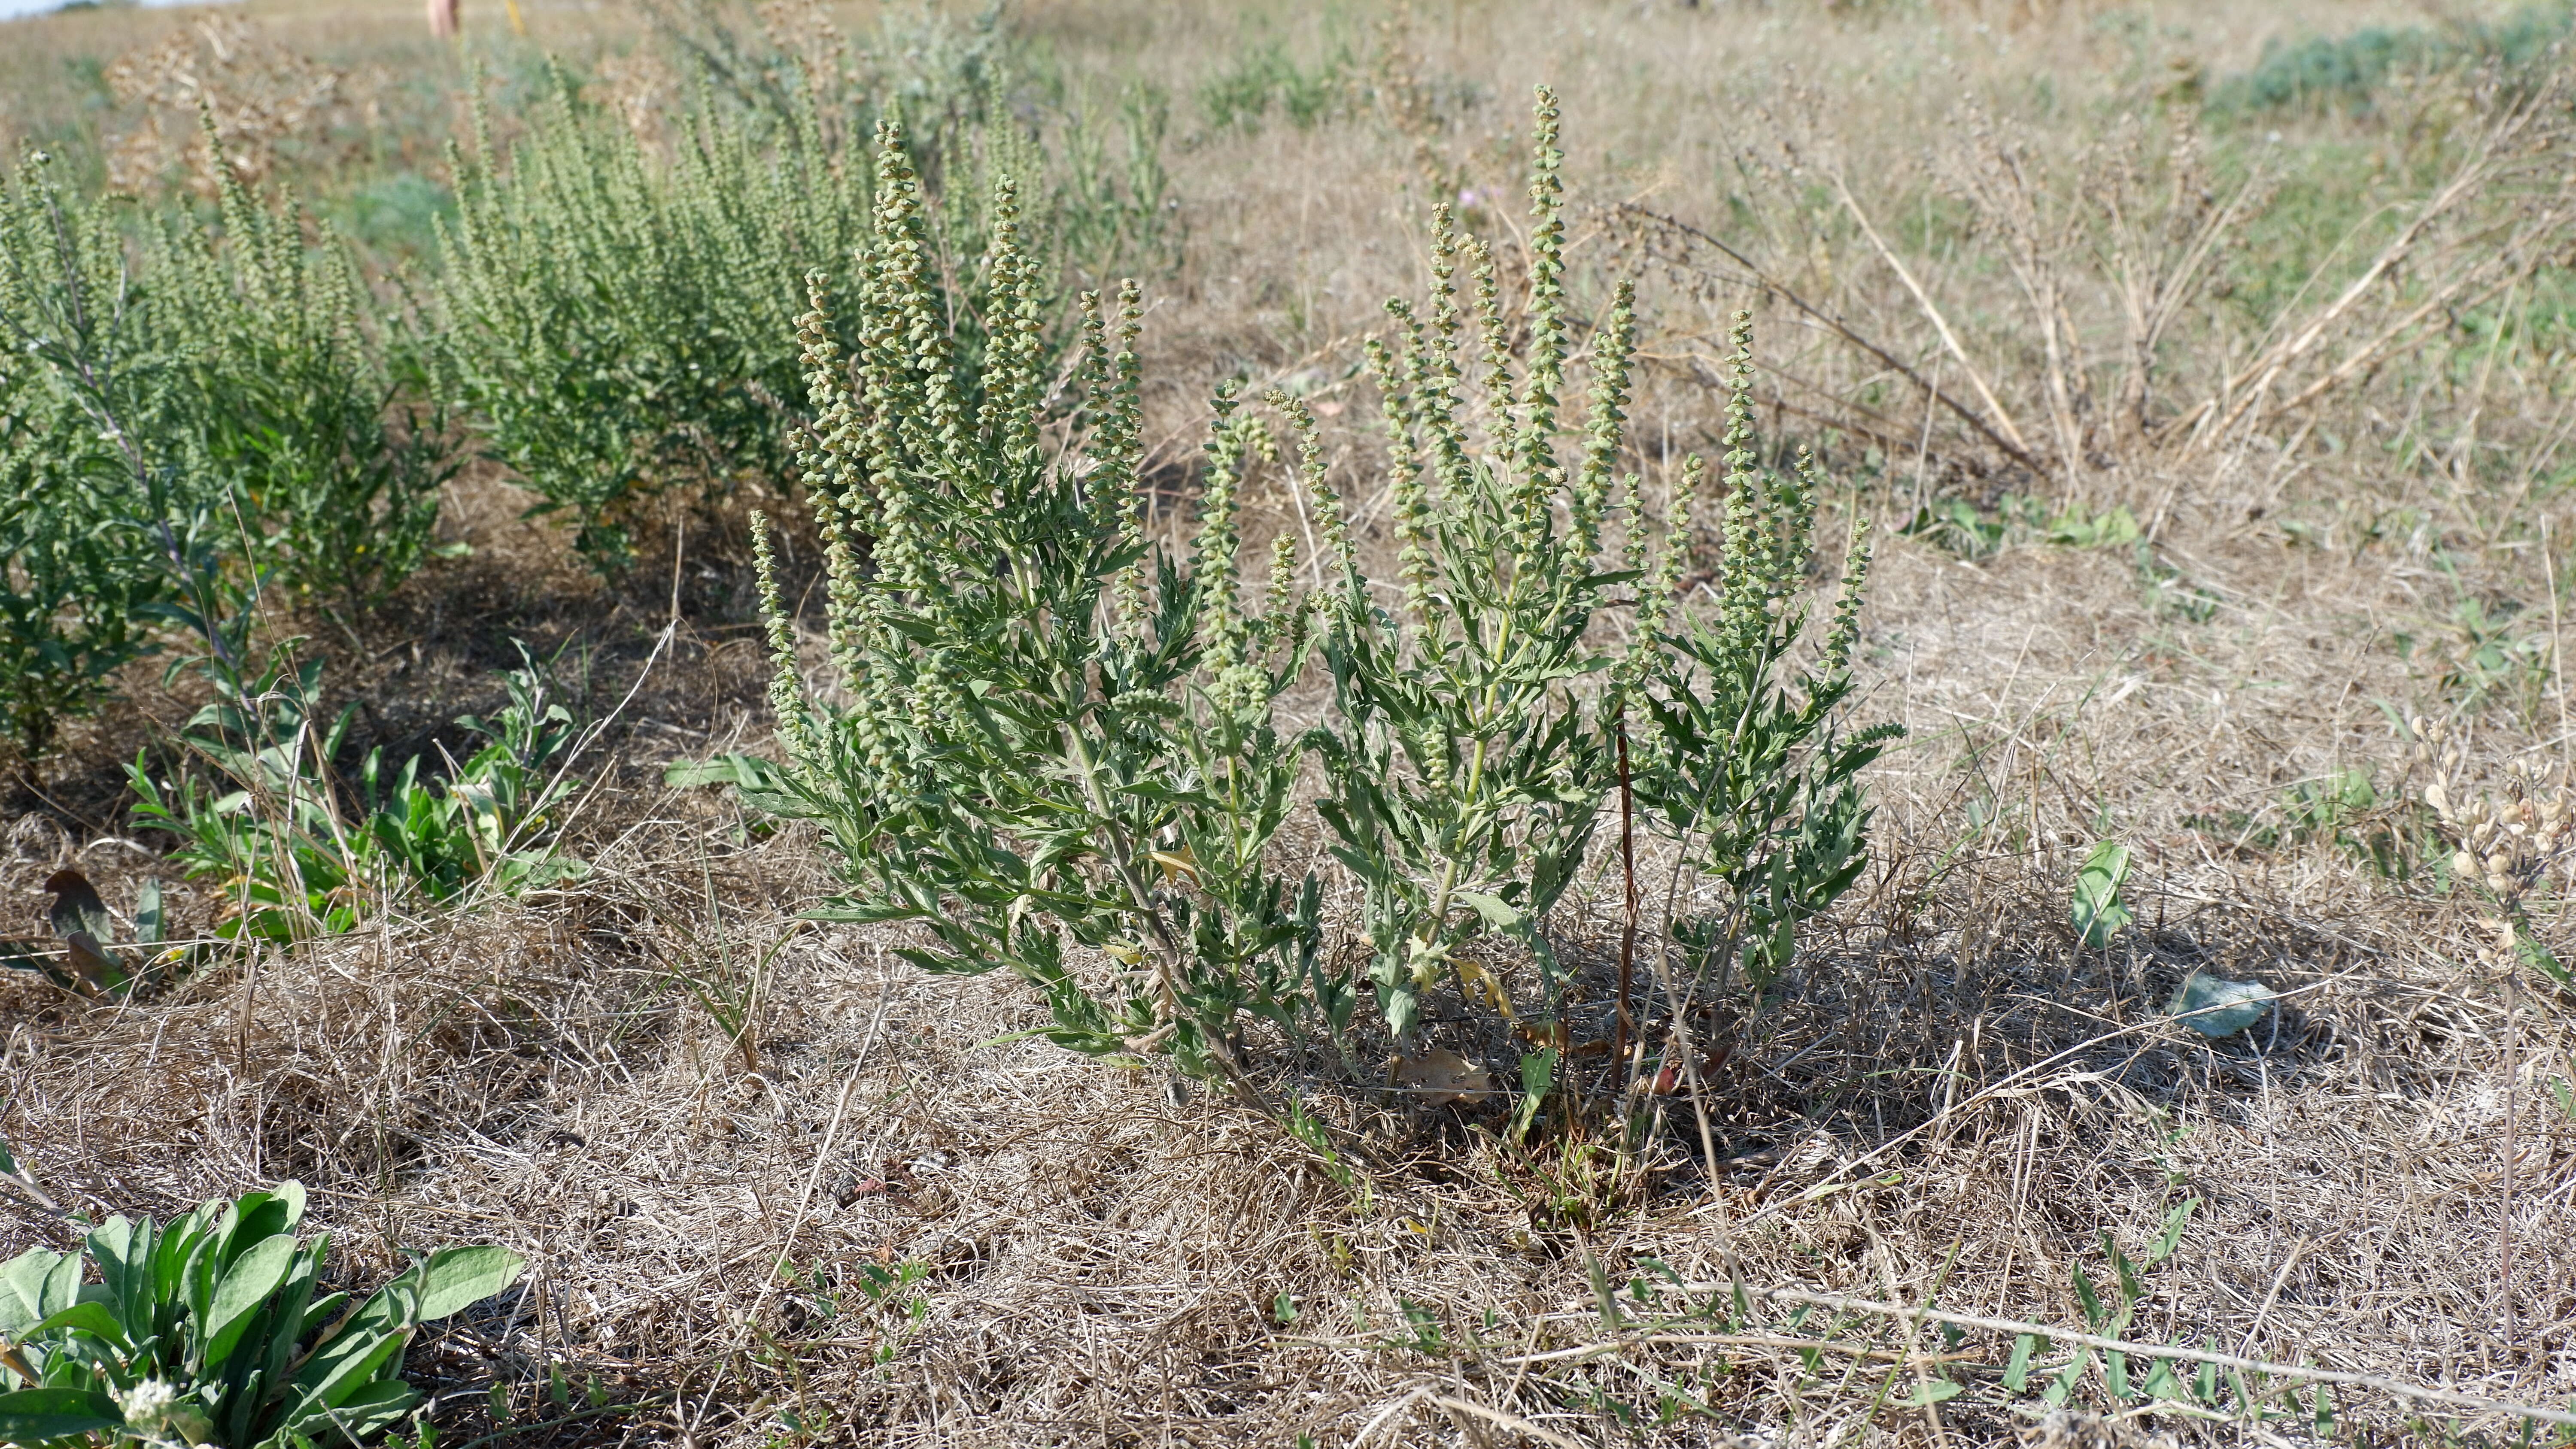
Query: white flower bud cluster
(2507, 839)
(157, 1415)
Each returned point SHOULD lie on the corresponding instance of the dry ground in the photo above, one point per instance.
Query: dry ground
(889, 1222)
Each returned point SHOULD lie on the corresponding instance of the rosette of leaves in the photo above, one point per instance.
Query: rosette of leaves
(1048, 732)
(1746, 764)
(1469, 754)
(216, 1328)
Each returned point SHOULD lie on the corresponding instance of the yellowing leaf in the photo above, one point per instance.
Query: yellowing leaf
(1440, 1077)
(1479, 985)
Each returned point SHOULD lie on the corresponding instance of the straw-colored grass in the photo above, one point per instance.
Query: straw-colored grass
(1949, 1107)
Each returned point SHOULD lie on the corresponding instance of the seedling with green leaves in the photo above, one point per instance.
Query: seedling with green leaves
(91, 962)
(300, 857)
(2100, 911)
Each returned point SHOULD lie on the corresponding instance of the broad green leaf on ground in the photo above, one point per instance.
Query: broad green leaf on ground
(2215, 1006)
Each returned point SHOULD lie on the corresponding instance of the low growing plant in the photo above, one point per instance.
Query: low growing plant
(301, 853)
(216, 1329)
(91, 962)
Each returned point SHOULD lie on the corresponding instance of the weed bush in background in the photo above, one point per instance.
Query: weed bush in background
(215, 1328)
(201, 392)
(84, 400)
(617, 324)
(294, 432)
(612, 325)
(1052, 746)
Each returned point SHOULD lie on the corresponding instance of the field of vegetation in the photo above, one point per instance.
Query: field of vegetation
(1095, 722)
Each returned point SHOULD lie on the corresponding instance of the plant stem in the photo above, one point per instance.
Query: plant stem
(1628, 892)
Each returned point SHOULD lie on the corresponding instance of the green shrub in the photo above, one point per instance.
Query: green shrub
(203, 392)
(1469, 750)
(617, 326)
(214, 1328)
(1053, 735)
(612, 326)
(81, 398)
(293, 430)
(1747, 770)
(2319, 70)
(1047, 711)
(1265, 75)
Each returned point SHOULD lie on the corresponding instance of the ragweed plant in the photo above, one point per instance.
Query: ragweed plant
(1469, 753)
(212, 394)
(618, 325)
(613, 326)
(1050, 731)
(1051, 742)
(1746, 767)
(76, 564)
(328, 486)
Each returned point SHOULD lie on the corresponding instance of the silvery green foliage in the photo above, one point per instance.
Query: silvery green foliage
(1050, 742)
(208, 397)
(1052, 730)
(617, 325)
(1470, 750)
(1746, 765)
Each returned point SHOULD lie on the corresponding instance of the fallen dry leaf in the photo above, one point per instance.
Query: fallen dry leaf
(1441, 1077)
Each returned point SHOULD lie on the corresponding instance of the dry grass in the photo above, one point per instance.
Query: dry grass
(1951, 1097)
